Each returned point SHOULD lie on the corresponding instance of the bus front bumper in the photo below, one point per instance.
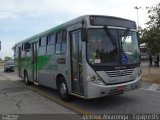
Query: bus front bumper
(95, 90)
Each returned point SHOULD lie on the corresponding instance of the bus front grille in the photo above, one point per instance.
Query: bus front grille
(118, 73)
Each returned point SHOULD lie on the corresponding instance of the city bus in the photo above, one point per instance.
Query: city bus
(89, 57)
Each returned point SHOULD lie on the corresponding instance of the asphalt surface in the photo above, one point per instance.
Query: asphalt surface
(140, 101)
(16, 100)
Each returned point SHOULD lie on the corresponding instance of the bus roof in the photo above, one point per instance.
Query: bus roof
(61, 26)
(54, 29)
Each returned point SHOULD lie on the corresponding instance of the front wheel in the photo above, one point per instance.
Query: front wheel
(63, 90)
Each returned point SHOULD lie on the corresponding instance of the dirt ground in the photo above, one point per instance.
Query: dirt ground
(150, 74)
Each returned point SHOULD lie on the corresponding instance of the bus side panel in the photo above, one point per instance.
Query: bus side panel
(45, 68)
(48, 69)
(24, 62)
(50, 64)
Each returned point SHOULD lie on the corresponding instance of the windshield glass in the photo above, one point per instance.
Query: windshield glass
(101, 48)
(112, 47)
(130, 53)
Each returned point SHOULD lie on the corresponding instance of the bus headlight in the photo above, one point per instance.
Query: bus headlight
(98, 80)
(91, 78)
(94, 79)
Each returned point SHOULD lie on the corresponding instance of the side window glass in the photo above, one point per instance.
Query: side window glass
(42, 45)
(51, 39)
(58, 48)
(61, 42)
(64, 46)
(43, 41)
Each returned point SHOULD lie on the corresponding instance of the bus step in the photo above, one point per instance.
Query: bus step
(36, 83)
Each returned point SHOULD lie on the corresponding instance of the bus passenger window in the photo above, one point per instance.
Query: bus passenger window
(40, 42)
(61, 42)
(51, 39)
(64, 46)
(43, 41)
(42, 45)
(51, 44)
(58, 48)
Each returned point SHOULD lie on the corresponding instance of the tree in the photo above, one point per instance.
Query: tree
(151, 34)
(7, 58)
(154, 16)
(142, 35)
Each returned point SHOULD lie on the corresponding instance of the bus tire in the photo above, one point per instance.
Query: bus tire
(26, 79)
(63, 89)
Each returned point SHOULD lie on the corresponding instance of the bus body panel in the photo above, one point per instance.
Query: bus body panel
(95, 91)
(47, 65)
(118, 76)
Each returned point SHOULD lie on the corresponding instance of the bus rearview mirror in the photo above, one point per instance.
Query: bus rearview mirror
(83, 34)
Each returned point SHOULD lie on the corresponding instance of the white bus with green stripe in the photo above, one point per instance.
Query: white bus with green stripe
(90, 56)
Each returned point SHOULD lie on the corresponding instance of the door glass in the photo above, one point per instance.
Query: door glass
(34, 61)
(76, 63)
(81, 87)
(74, 60)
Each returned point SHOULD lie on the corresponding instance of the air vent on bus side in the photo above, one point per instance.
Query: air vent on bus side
(118, 73)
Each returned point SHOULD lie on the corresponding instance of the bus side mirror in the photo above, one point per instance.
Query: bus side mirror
(84, 34)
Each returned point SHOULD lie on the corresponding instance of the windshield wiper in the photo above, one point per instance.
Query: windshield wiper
(125, 34)
(109, 34)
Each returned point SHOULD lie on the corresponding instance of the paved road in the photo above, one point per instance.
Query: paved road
(144, 100)
(16, 98)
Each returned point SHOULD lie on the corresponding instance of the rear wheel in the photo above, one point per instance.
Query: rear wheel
(26, 79)
(63, 90)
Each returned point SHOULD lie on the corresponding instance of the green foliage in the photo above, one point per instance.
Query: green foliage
(154, 16)
(142, 35)
(151, 34)
(8, 58)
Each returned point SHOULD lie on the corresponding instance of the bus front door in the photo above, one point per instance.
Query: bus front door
(34, 61)
(76, 63)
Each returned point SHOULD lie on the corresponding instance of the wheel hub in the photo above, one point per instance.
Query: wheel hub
(63, 89)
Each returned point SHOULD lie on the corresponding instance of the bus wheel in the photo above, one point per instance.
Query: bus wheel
(63, 90)
(26, 79)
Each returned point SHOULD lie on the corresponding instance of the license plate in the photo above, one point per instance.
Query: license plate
(121, 88)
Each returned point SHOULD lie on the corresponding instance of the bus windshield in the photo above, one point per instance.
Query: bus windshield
(112, 47)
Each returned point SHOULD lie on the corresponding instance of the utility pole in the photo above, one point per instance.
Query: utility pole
(137, 8)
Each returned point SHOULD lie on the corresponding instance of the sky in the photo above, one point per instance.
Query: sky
(20, 19)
